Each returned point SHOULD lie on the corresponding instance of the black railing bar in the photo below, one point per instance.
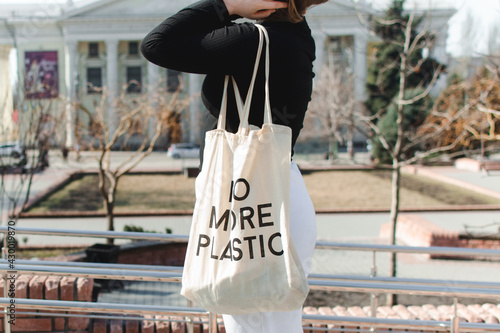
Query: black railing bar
(402, 330)
(352, 286)
(138, 267)
(342, 329)
(396, 323)
(96, 273)
(93, 316)
(395, 288)
(374, 322)
(338, 329)
(479, 327)
(113, 308)
(188, 312)
(441, 250)
(99, 234)
(455, 283)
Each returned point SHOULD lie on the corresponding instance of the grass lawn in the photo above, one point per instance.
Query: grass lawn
(328, 190)
(135, 192)
(372, 189)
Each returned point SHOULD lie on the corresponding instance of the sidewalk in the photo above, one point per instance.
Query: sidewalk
(479, 181)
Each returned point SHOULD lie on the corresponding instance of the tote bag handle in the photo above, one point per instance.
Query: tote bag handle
(244, 108)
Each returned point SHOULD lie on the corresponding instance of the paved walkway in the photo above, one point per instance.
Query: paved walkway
(480, 179)
(353, 228)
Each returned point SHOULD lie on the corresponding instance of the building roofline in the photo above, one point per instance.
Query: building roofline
(86, 8)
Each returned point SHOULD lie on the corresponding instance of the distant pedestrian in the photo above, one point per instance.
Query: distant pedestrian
(65, 152)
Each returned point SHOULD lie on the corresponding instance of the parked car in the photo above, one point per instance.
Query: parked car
(184, 150)
(13, 149)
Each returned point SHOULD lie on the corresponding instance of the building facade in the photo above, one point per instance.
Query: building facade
(69, 53)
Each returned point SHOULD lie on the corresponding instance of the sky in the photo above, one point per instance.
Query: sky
(484, 13)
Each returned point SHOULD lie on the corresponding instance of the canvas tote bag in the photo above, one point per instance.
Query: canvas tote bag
(240, 256)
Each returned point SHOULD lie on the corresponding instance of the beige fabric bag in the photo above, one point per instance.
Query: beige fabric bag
(240, 258)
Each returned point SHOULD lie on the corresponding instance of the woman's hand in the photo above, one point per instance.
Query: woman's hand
(253, 9)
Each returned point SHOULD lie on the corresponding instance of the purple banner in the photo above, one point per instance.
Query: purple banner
(42, 77)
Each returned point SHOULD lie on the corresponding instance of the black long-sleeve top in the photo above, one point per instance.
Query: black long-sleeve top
(203, 39)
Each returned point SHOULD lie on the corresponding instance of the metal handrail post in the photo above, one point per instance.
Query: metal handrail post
(212, 322)
(455, 320)
(6, 322)
(373, 296)
(190, 325)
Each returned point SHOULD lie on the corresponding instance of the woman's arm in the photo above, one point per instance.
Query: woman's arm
(202, 39)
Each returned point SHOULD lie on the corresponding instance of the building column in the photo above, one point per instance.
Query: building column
(360, 65)
(192, 129)
(6, 102)
(153, 77)
(320, 41)
(153, 81)
(439, 53)
(112, 82)
(71, 81)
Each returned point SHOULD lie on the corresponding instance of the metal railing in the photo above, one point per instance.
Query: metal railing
(373, 285)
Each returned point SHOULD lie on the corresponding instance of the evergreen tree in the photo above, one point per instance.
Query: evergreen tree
(383, 72)
(400, 70)
(415, 115)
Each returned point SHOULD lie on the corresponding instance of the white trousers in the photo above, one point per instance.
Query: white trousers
(303, 232)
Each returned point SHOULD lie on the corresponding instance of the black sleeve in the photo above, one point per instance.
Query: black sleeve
(202, 39)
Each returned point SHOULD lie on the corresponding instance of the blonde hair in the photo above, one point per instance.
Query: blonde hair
(295, 11)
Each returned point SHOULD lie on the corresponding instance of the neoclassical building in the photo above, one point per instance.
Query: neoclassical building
(63, 50)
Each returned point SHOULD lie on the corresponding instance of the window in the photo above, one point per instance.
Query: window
(340, 51)
(134, 79)
(133, 48)
(173, 80)
(94, 80)
(335, 44)
(93, 50)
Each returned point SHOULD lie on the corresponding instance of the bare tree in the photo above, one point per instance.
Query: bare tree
(408, 39)
(37, 131)
(140, 120)
(332, 108)
(466, 115)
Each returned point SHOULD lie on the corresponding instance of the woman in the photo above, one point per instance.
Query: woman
(203, 39)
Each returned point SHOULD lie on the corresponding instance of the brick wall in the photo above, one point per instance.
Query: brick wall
(51, 288)
(413, 230)
(80, 289)
(153, 253)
